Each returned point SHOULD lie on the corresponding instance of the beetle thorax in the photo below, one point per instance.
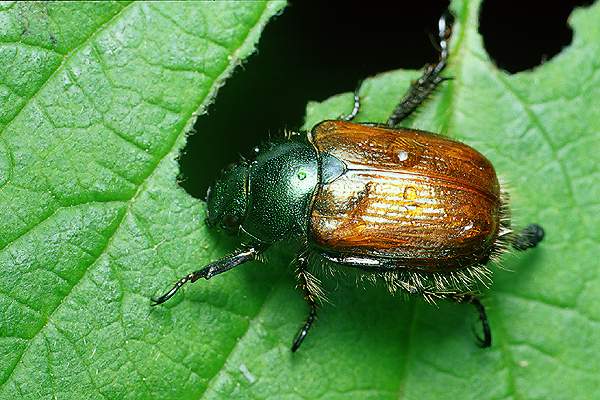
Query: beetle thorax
(281, 184)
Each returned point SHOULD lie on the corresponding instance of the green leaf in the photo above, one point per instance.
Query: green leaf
(95, 104)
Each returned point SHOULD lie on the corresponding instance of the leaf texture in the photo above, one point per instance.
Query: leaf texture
(95, 106)
(96, 102)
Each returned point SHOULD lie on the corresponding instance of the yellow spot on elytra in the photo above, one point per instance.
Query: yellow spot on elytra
(410, 193)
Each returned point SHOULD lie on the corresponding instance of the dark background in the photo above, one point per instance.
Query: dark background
(316, 50)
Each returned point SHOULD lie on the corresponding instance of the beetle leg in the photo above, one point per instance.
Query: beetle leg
(218, 267)
(486, 341)
(421, 88)
(311, 291)
(528, 237)
(356, 108)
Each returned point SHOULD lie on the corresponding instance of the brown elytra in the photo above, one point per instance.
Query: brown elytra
(421, 200)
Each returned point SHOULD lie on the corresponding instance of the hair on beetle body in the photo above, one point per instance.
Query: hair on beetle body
(502, 243)
(430, 288)
(311, 284)
(416, 211)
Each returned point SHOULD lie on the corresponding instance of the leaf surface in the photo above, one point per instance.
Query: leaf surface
(94, 112)
(96, 100)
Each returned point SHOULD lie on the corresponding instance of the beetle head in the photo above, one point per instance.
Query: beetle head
(226, 199)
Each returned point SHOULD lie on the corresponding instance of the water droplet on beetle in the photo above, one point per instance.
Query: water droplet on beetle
(410, 193)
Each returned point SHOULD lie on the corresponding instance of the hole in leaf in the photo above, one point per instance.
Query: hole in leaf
(520, 35)
(308, 53)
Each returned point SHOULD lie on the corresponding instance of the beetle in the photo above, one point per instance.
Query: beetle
(423, 212)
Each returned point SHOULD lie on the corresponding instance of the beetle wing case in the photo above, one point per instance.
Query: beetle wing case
(414, 199)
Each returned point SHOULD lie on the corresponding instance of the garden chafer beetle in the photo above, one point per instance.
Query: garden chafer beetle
(423, 212)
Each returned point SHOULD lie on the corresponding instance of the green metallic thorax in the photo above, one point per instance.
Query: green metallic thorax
(281, 184)
(268, 199)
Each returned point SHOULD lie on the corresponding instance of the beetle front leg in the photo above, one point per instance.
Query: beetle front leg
(486, 341)
(218, 267)
(311, 291)
(421, 88)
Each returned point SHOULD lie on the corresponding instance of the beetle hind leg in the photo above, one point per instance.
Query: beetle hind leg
(312, 292)
(486, 340)
(420, 89)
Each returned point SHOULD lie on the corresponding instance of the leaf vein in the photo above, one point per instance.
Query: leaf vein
(407, 343)
(29, 307)
(67, 58)
(253, 321)
(170, 148)
(51, 214)
(508, 359)
(545, 134)
(86, 365)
